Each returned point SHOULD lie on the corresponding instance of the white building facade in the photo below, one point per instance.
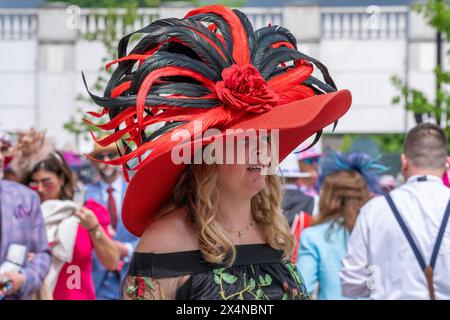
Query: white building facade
(43, 51)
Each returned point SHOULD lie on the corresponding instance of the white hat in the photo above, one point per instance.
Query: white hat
(5, 138)
(313, 152)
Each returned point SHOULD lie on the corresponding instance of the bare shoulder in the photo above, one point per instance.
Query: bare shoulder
(172, 232)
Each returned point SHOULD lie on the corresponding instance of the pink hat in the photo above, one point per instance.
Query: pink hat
(312, 152)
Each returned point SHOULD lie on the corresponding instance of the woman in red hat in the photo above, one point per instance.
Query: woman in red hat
(211, 230)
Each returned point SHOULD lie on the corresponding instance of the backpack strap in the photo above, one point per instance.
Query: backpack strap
(427, 269)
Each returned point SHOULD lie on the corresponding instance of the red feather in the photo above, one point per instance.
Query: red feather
(241, 53)
(298, 92)
(291, 77)
(175, 114)
(152, 77)
(218, 117)
(98, 114)
(121, 88)
(282, 44)
(129, 57)
(116, 121)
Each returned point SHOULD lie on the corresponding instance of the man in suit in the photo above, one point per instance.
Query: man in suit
(21, 224)
(109, 189)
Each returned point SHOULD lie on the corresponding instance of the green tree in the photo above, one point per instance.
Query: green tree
(388, 143)
(437, 15)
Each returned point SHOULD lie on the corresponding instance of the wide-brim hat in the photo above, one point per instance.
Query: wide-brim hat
(213, 68)
(153, 183)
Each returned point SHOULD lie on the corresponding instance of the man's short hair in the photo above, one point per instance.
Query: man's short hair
(426, 146)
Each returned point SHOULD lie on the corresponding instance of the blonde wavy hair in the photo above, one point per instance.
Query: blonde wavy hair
(197, 191)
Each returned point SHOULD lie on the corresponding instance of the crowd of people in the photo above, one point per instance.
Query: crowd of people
(64, 239)
(368, 242)
(61, 238)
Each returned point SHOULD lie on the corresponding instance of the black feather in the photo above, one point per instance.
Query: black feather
(221, 25)
(248, 28)
(316, 139)
(122, 102)
(199, 27)
(167, 127)
(181, 88)
(325, 88)
(263, 45)
(263, 32)
(164, 59)
(276, 56)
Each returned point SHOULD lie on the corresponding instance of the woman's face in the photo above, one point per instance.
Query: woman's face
(309, 166)
(246, 175)
(47, 184)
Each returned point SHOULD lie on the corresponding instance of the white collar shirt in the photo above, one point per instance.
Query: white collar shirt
(380, 262)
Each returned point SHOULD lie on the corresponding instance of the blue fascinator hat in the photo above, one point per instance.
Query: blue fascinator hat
(370, 168)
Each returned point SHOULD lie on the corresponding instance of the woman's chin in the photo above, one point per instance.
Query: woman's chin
(257, 184)
(46, 197)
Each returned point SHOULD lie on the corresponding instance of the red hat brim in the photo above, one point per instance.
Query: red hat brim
(153, 183)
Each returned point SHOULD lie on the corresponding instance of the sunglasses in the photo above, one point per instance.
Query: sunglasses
(4, 150)
(45, 184)
(311, 161)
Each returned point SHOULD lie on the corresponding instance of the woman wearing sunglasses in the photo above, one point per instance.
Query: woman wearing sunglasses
(307, 162)
(74, 230)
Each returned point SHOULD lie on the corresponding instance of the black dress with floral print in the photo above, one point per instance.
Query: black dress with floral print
(258, 273)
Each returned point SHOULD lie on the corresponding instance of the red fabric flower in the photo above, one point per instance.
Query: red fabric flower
(243, 88)
(140, 286)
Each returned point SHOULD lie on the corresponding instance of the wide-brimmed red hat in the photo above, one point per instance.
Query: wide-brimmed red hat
(209, 68)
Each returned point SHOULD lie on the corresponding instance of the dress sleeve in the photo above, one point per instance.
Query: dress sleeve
(150, 288)
(308, 261)
(142, 283)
